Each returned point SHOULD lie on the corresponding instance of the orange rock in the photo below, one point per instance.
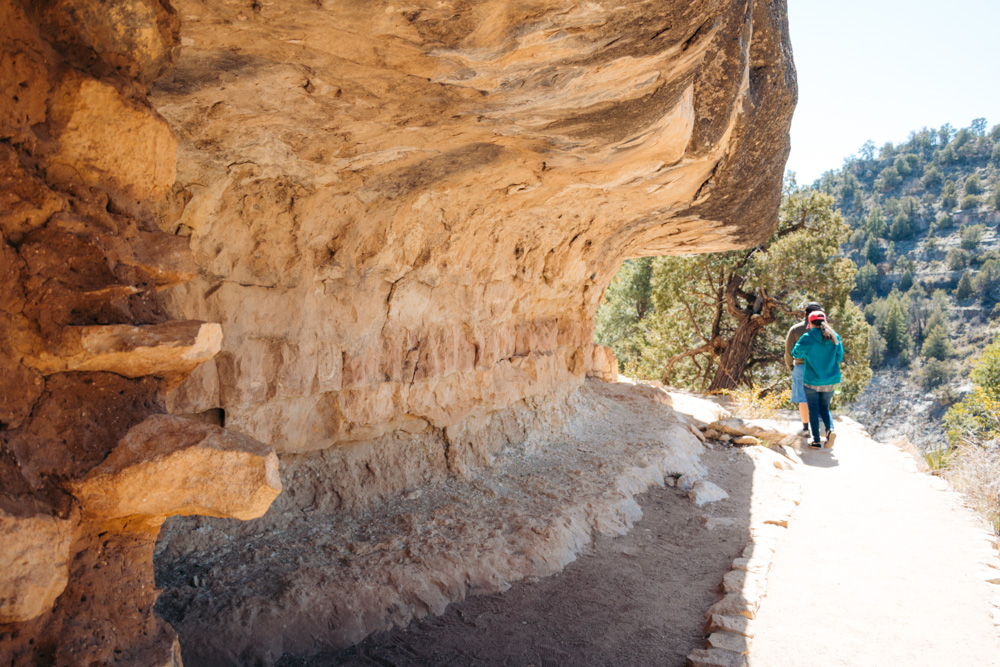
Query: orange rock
(34, 550)
(171, 348)
(104, 138)
(169, 466)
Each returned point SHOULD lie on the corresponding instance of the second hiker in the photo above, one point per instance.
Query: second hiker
(821, 351)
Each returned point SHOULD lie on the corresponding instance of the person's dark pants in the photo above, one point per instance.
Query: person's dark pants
(819, 408)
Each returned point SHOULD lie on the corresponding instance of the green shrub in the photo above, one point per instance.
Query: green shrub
(956, 259)
(937, 459)
(986, 284)
(972, 235)
(976, 418)
(888, 179)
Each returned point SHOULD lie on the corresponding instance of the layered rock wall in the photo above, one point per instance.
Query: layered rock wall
(405, 215)
(89, 464)
(393, 222)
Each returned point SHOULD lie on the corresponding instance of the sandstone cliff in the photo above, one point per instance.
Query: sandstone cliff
(404, 217)
(384, 228)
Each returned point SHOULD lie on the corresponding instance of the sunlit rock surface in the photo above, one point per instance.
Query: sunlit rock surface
(410, 212)
(393, 222)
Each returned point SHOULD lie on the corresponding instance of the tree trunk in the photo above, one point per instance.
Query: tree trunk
(733, 362)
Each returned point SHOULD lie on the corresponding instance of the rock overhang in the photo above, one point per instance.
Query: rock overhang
(417, 197)
(400, 219)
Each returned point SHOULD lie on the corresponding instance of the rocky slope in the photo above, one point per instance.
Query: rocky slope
(392, 222)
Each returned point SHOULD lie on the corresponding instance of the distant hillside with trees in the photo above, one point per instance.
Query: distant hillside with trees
(923, 219)
(900, 244)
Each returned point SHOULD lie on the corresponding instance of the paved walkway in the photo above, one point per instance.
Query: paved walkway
(881, 566)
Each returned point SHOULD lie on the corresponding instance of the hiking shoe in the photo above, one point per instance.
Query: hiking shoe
(804, 433)
(831, 436)
(815, 445)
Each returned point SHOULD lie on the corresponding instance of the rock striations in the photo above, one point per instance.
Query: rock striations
(371, 236)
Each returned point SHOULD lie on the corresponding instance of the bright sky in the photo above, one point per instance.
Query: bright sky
(877, 69)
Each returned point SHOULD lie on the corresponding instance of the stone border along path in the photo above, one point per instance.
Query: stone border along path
(919, 607)
(730, 627)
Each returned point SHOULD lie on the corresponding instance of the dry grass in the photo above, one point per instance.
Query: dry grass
(757, 402)
(975, 471)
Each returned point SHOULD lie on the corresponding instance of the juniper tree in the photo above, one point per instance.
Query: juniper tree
(719, 320)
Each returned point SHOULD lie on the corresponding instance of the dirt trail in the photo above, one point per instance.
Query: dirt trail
(881, 566)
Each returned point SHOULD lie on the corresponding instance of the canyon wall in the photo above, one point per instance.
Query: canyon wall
(366, 233)
(404, 216)
(90, 463)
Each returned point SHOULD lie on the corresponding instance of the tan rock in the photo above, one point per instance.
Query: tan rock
(428, 236)
(162, 259)
(756, 564)
(103, 137)
(172, 348)
(603, 364)
(132, 31)
(704, 492)
(746, 440)
(168, 466)
(738, 624)
(34, 550)
(729, 641)
(734, 604)
(714, 657)
(415, 220)
(750, 585)
(734, 426)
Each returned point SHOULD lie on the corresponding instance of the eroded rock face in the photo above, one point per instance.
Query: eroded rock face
(410, 212)
(401, 218)
(86, 348)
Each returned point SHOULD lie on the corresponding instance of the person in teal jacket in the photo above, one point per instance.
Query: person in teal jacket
(821, 351)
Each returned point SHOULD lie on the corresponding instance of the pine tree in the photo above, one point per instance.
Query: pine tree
(627, 302)
(897, 338)
(906, 282)
(937, 344)
(971, 236)
(875, 224)
(872, 251)
(964, 288)
(986, 284)
(900, 228)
